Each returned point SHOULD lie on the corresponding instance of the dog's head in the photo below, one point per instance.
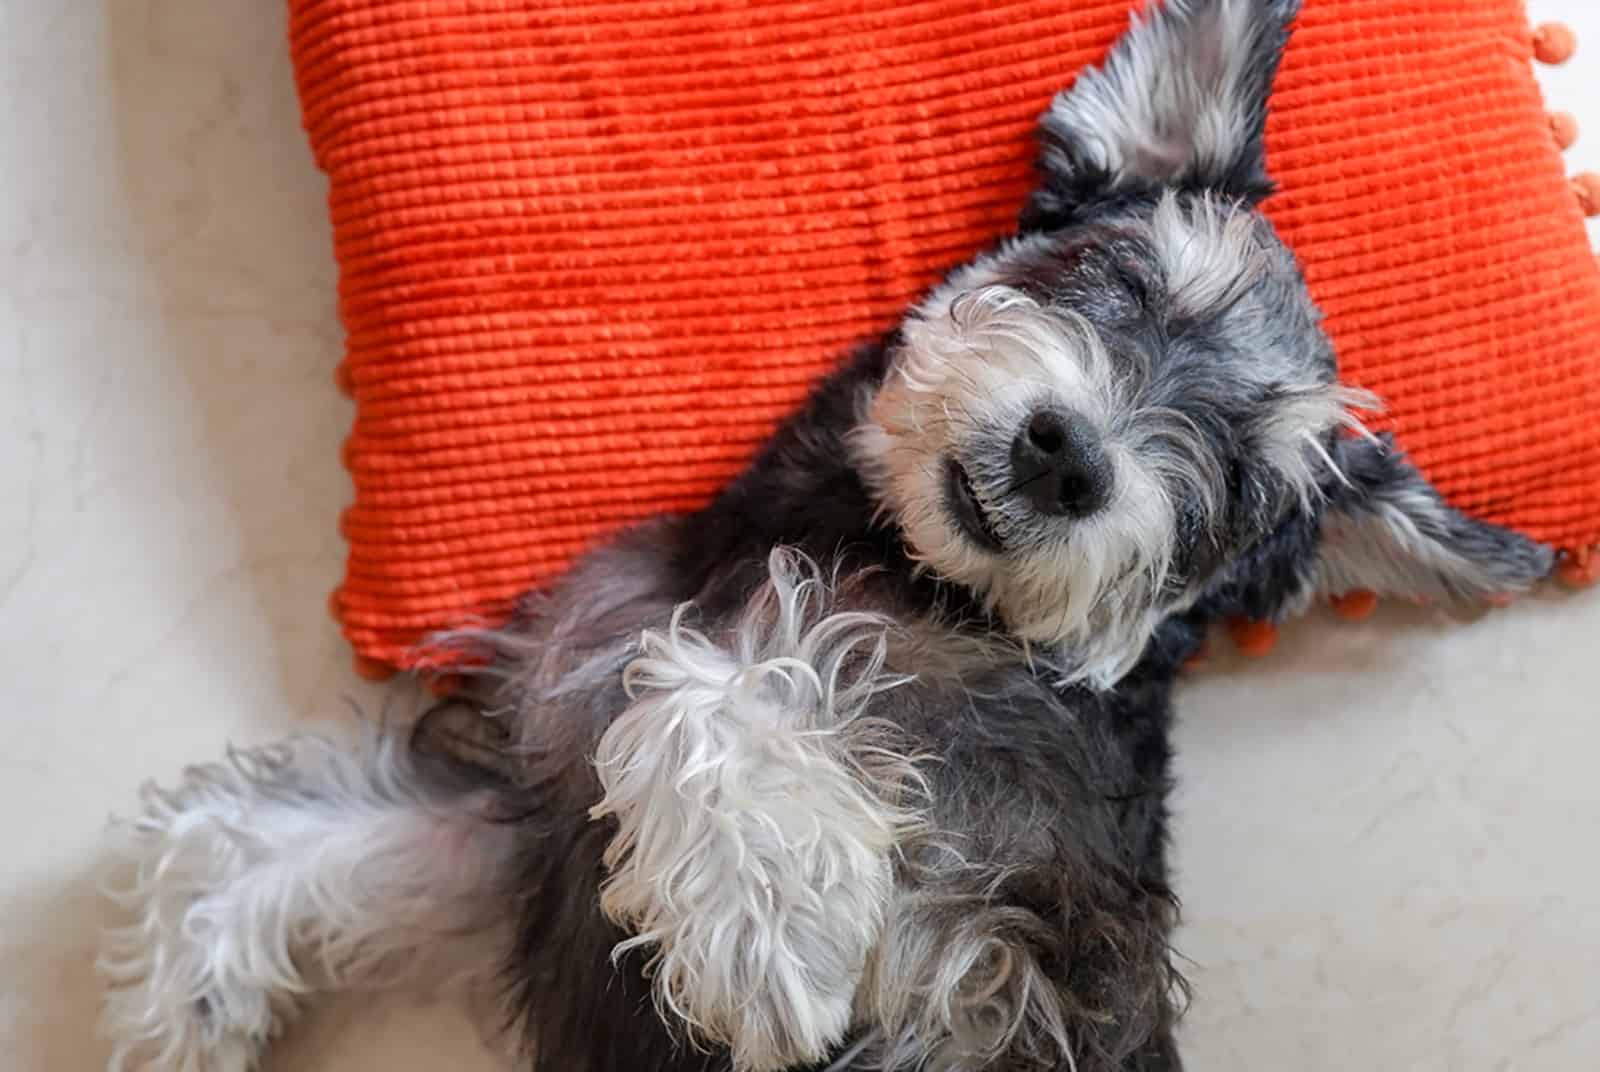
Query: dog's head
(1086, 424)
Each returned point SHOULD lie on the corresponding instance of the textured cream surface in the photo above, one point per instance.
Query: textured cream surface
(1386, 832)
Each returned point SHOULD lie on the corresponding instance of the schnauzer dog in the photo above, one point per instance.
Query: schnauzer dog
(862, 766)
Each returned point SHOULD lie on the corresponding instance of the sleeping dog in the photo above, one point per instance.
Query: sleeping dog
(864, 765)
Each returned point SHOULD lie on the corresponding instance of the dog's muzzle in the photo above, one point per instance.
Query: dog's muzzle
(1059, 471)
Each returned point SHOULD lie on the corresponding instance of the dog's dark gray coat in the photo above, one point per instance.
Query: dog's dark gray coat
(1060, 789)
(1057, 792)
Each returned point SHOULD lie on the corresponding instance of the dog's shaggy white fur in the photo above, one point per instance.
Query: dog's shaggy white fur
(281, 872)
(759, 874)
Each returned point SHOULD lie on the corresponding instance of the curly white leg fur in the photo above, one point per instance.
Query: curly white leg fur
(757, 813)
(274, 874)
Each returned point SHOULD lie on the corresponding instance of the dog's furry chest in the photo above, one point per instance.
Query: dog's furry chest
(1031, 777)
(1008, 754)
(1030, 805)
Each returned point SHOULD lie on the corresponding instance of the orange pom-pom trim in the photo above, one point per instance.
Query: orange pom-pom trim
(342, 379)
(1355, 606)
(1587, 187)
(443, 686)
(1564, 128)
(372, 669)
(336, 604)
(1554, 43)
(1254, 639)
(1580, 570)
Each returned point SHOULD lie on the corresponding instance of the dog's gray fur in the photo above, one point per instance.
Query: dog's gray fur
(864, 765)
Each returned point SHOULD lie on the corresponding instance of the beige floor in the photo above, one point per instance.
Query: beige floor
(1388, 836)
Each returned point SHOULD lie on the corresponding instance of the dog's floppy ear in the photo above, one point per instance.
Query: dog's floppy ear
(1180, 102)
(1387, 530)
(1378, 526)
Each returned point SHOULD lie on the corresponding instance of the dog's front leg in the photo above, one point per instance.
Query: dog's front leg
(758, 806)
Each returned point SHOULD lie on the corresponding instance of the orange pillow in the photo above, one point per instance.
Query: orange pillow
(591, 253)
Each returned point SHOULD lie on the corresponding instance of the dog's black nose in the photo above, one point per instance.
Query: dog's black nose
(1059, 466)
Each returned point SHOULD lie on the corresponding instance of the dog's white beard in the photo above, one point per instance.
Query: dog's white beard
(977, 360)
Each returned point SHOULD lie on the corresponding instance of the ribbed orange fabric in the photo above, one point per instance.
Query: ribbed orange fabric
(592, 251)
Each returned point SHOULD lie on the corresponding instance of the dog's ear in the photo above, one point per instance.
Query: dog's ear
(1379, 526)
(1386, 529)
(1180, 102)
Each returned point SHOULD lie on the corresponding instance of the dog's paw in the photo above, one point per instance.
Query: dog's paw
(758, 915)
(757, 816)
(184, 974)
(156, 1026)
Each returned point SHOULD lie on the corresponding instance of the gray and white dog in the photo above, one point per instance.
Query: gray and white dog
(862, 766)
